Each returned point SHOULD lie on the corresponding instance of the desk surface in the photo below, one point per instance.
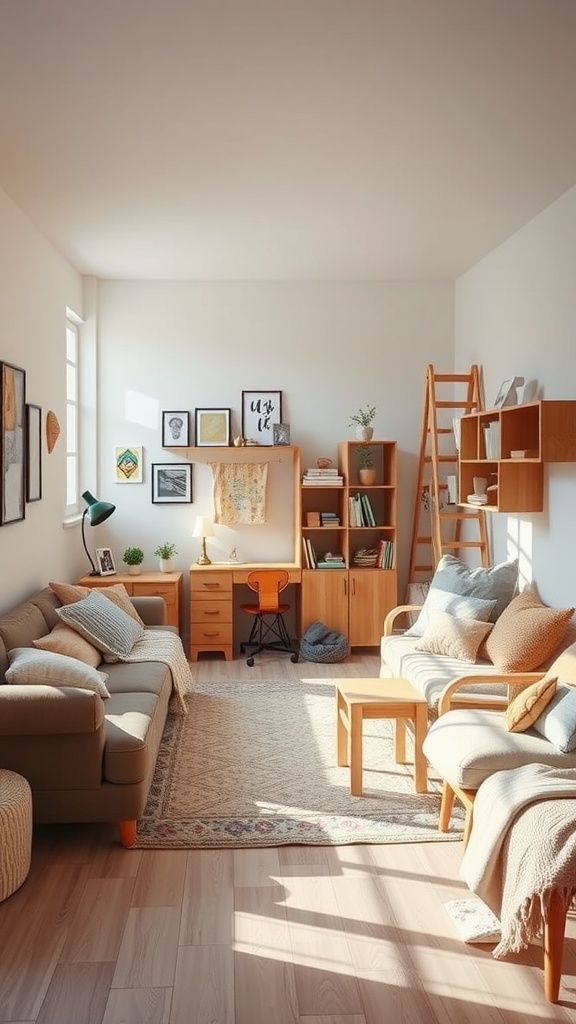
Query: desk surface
(240, 570)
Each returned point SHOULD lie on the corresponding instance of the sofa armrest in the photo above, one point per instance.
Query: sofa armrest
(152, 610)
(49, 710)
(401, 609)
(515, 682)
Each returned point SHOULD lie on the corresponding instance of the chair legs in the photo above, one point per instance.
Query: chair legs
(268, 633)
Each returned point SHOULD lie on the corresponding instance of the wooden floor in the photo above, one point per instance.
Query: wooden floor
(293, 935)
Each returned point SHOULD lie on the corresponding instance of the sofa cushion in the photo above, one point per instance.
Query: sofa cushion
(64, 640)
(467, 745)
(494, 583)
(461, 606)
(98, 620)
(430, 673)
(523, 711)
(70, 593)
(454, 637)
(130, 722)
(527, 633)
(30, 667)
(557, 722)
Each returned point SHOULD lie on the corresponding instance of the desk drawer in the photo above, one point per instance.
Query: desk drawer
(210, 584)
(216, 634)
(167, 591)
(215, 611)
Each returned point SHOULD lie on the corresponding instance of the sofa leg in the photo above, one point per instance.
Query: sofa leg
(554, 947)
(446, 807)
(127, 831)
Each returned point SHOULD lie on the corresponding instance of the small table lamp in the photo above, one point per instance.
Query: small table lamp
(97, 512)
(203, 528)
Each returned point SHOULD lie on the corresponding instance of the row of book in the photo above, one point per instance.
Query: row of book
(322, 478)
(379, 557)
(314, 561)
(360, 511)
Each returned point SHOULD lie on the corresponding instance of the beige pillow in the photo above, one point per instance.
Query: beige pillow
(63, 640)
(454, 637)
(523, 711)
(527, 633)
(44, 668)
(69, 593)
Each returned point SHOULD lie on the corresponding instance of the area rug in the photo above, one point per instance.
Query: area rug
(253, 764)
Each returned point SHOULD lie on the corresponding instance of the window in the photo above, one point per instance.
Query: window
(72, 415)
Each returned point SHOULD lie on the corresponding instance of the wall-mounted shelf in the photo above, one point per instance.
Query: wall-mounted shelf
(510, 446)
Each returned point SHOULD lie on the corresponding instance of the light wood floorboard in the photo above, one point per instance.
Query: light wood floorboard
(294, 935)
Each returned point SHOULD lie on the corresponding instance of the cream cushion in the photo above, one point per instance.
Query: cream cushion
(30, 667)
(557, 723)
(527, 633)
(64, 640)
(98, 620)
(460, 606)
(454, 637)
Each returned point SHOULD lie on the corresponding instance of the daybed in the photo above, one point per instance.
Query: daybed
(86, 681)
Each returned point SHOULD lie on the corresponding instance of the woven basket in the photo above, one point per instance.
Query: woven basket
(320, 644)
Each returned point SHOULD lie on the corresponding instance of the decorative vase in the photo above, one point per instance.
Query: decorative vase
(166, 565)
(364, 433)
(367, 476)
(134, 570)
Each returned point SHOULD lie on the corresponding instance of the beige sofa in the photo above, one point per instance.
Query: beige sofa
(86, 758)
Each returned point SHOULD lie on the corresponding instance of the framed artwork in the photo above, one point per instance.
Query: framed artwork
(171, 483)
(281, 433)
(128, 464)
(13, 440)
(175, 429)
(507, 392)
(212, 427)
(33, 453)
(260, 411)
(105, 561)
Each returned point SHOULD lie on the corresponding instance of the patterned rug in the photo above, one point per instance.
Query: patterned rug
(253, 764)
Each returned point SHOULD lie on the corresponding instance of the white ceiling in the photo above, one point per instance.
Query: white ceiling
(285, 139)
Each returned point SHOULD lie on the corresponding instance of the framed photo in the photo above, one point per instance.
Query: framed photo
(12, 443)
(128, 464)
(212, 427)
(175, 429)
(105, 561)
(33, 453)
(507, 393)
(281, 433)
(260, 411)
(171, 483)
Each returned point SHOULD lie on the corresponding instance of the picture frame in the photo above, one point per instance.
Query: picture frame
(281, 433)
(171, 483)
(175, 429)
(507, 392)
(33, 453)
(128, 460)
(12, 443)
(260, 411)
(105, 561)
(212, 427)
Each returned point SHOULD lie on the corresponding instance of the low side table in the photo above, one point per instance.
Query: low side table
(357, 699)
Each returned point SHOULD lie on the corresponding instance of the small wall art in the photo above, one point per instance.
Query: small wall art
(128, 464)
(281, 433)
(33, 453)
(105, 561)
(171, 483)
(175, 429)
(212, 427)
(12, 448)
(260, 411)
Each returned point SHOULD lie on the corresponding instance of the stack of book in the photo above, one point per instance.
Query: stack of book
(315, 477)
(329, 519)
(477, 499)
(330, 561)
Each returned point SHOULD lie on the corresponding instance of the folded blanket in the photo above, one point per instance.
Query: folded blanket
(164, 646)
(522, 848)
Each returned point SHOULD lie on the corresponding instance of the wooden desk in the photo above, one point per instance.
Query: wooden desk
(147, 584)
(211, 604)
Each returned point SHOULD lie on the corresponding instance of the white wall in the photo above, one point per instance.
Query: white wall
(36, 285)
(515, 314)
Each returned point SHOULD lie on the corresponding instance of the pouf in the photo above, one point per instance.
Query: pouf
(15, 830)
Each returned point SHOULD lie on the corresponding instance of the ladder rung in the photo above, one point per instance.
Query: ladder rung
(455, 405)
(455, 544)
(441, 430)
(423, 568)
(452, 377)
(442, 458)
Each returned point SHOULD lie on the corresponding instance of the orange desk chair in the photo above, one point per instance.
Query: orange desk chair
(268, 631)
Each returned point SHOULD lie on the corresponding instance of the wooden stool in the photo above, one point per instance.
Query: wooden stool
(16, 831)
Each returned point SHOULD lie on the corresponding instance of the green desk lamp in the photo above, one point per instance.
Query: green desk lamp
(97, 512)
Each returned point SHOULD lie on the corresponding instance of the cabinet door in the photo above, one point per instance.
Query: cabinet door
(324, 598)
(372, 596)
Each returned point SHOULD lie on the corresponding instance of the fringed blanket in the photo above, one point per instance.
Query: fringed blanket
(522, 848)
(165, 646)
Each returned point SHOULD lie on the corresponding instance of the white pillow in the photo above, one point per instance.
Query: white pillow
(31, 667)
(101, 622)
(557, 723)
(458, 605)
(452, 637)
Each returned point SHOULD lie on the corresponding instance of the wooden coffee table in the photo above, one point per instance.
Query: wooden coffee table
(357, 699)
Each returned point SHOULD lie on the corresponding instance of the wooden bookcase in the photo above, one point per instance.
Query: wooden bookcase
(543, 431)
(353, 599)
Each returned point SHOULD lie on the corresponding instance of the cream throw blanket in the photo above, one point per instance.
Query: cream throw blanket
(165, 646)
(522, 848)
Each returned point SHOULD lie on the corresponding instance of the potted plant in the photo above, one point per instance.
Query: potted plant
(366, 472)
(133, 558)
(363, 420)
(165, 552)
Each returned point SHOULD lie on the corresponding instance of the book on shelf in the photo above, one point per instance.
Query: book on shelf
(311, 554)
(323, 564)
(367, 510)
(305, 553)
(313, 471)
(524, 453)
(323, 481)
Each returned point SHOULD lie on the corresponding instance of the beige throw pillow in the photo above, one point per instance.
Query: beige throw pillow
(523, 711)
(527, 633)
(63, 640)
(453, 637)
(69, 593)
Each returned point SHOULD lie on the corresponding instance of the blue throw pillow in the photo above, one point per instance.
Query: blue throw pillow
(557, 723)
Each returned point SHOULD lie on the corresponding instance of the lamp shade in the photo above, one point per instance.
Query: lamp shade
(203, 527)
(96, 512)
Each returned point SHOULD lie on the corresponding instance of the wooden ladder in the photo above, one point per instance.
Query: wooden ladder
(438, 526)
